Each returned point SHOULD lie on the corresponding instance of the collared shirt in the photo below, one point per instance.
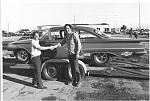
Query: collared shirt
(73, 43)
(34, 50)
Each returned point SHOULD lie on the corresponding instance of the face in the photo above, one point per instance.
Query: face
(36, 36)
(68, 29)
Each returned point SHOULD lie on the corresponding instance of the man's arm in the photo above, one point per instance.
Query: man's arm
(63, 41)
(46, 48)
(43, 48)
(77, 44)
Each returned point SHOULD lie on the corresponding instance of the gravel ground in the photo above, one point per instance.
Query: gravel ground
(92, 88)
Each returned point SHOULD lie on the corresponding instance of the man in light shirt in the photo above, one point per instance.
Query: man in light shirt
(35, 56)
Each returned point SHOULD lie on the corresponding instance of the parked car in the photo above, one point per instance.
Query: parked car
(25, 37)
(95, 46)
(6, 40)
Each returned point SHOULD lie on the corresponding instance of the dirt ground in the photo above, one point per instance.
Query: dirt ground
(17, 87)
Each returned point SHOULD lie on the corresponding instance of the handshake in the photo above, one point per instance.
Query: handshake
(53, 47)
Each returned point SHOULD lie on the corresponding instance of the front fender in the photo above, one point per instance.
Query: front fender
(21, 48)
(25, 45)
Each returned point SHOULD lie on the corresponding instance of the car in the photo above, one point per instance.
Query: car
(96, 46)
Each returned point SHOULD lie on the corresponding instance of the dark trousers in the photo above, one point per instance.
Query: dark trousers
(37, 71)
(74, 68)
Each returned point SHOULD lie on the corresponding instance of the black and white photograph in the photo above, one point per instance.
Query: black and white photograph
(77, 50)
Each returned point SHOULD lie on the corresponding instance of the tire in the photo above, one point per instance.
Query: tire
(101, 59)
(23, 56)
(51, 71)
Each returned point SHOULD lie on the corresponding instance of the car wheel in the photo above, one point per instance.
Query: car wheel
(23, 56)
(100, 59)
(50, 71)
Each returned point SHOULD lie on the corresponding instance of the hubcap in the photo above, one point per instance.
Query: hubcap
(101, 57)
(52, 71)
(23, 55)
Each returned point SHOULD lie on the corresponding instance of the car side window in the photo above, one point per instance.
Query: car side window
(46, 37)
(86, 35)
(57, 34)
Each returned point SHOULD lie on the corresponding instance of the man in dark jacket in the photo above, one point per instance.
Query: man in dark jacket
(74, 46)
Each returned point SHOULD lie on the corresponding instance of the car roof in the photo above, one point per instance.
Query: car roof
(88, 29)
(78, 27)
(74, 27)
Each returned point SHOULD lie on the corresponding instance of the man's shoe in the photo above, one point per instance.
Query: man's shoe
(41, 87)
(34, 83)
(77, 84)
(74, 83)
(67, 83)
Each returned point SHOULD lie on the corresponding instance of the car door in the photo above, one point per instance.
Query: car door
(46, 41)
(58, 36)
(52, 38)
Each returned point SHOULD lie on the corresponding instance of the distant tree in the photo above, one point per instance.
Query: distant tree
(123, 28)
(12, 34)
(24, 32)
(4, 33)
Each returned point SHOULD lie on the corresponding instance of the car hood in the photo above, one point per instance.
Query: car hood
(27, 41)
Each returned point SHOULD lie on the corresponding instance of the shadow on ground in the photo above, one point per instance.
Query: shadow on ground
(17, 81)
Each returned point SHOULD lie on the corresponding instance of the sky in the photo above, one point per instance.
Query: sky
(22, 14)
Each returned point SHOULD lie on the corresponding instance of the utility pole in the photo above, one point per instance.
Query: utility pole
(8, 26)
(139, 16)
(116, 20)
(74, 19)
(8, 30)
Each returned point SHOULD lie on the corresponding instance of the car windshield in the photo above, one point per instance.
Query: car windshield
(85, 35)
(102, 34)
(44, 33)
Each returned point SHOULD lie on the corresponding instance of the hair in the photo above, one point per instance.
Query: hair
(33, 34)
(68, 25)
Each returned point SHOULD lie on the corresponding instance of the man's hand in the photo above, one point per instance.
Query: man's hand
(51, 47)
(55, 46)
(77, 55)
(58, 45)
